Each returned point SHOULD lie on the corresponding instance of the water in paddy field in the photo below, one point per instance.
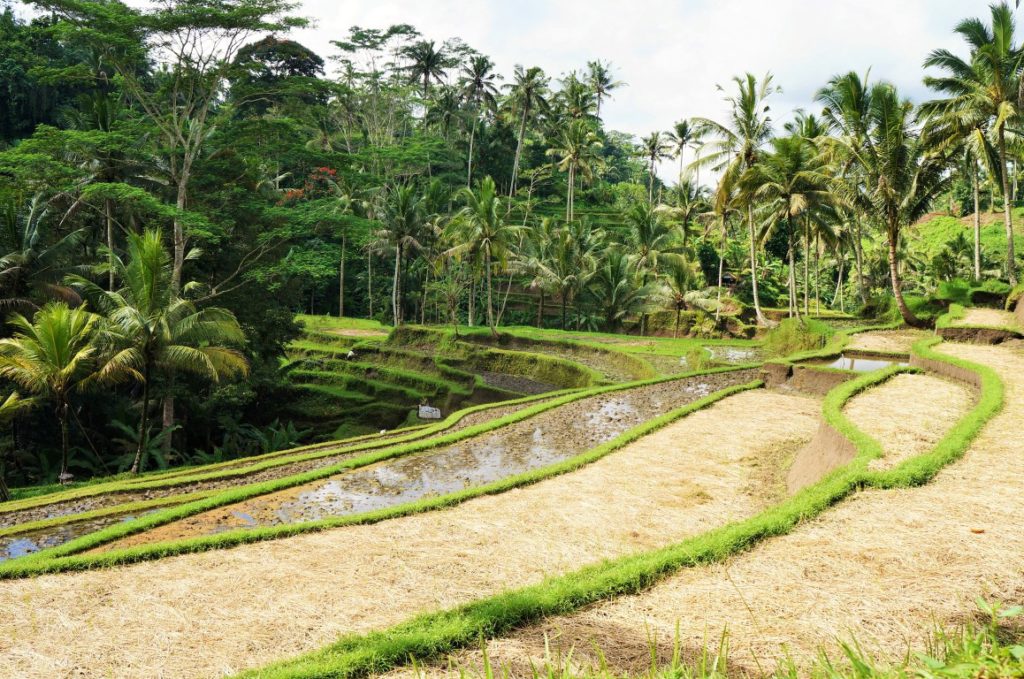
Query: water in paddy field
(13, 546)
(546, 438)
(735, 355)
(858, 363)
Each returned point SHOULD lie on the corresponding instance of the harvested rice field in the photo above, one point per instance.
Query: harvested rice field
(205, 614)
(881, 567)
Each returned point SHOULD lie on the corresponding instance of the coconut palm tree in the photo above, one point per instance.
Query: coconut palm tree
(480, 91)
(577, 153)
(615, 290)
(480, 227)
(51, 357)
(650, 237)
(680, 280)
(681, 137)
(601, 81)
(527, 97)
(894, 174)
(686, 201)
(577, 98)
(654, 147)
(152, 330)
(735, 147)
(984, 88)
(788, 184)
(402, 216)
(428, 64)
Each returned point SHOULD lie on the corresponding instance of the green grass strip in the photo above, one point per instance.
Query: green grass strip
(432, 634)
(22, 568)
(37, 562)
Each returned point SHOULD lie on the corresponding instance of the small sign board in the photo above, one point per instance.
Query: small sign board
(429, 413)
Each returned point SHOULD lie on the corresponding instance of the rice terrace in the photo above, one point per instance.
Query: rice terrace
(579, 340)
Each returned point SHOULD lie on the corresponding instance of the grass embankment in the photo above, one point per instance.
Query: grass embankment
(959, 316)
(429, 635)
(68, 556)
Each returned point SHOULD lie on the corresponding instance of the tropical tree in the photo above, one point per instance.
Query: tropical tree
(480, 227)
(680, 280)
(650, 237)
(897, 175)
(983, 91)
(577, 154)
(601, 81)
(615, 288)
(789, 184)
(152, 330)
(527, 98)
(53, 356)
(479, 89)
(402, 216)
(681, 137)
(654, 147)
(428, 64)
(735, 147)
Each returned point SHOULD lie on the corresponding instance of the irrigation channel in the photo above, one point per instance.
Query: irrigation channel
(546, 438)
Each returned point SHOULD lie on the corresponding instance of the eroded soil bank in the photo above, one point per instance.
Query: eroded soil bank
(202, 615)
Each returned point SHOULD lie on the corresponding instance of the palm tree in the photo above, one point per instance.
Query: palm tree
(615, 290)
(445, 110)
(985, 89)
(533, 260)
(153, 330)
(479, 90)
(736, 147)
(601, 81)
(527, 97)
(577, 98)
(480, 227)
(402, 215)
(52, 356)
(654, 147)
(32, 271)
(679, 138)
(686, 201)
(576, 153)
(571, 261)
(897, 175)
(428, 64)
(680, 281)
(650, 237)
(789, 185)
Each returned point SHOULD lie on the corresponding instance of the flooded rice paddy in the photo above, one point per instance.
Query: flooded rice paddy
(544, 439)
(857, 362)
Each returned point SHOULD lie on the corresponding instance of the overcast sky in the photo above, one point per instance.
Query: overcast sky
(673, 53)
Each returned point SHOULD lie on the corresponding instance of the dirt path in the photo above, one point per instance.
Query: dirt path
(200, 615)
(886, 341)
(882, 565)
(992, 318)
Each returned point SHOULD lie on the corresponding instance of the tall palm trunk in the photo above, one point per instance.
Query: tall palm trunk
(791, 279)
(341, 280)
(487, 275)
(1011, 266)
(817, 273)
(807, 277)
(62, 415)
(369, 281)
(897, 284)
(108, 213)
(518, 155)
(839, 287)
(143, 419)
(858, 252)
(469, 160)
(396, 294)
(650, 182)
(472, 299)
(721, 266)
(977, 224)
(753, 265)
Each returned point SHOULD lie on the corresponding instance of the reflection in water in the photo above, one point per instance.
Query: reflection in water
(858, 363)
(27, 543)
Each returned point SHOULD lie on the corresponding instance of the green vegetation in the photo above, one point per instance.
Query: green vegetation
(429, 635)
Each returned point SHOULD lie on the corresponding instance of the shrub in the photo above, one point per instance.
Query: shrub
(794, 335)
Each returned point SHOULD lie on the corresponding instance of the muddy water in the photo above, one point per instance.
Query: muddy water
(13, 546)
(112, 499)
(552, 436)
(736, 355)
(857, 362)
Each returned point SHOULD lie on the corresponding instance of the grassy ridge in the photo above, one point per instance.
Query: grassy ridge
(62, 557)
(431, 634)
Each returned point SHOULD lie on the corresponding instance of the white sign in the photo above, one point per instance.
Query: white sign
(430, 413)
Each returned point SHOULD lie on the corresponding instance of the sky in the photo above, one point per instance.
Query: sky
(672, 54)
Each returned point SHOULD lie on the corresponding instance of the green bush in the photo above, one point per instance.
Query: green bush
(795, 335)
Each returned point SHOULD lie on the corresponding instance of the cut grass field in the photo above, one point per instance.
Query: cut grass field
(201, 614)
(431, 634)
(881, 566)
